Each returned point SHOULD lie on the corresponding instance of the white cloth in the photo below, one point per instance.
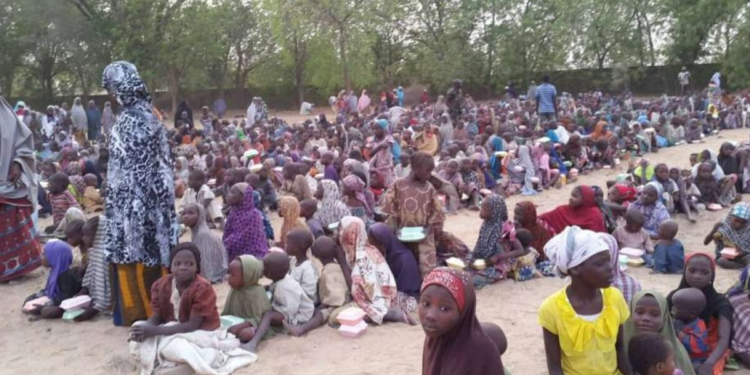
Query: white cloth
(252, 110)
(562, 134)
(206, 352)
(572, 247)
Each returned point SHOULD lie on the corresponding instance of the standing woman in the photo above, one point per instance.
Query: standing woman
(381, 160)
(18, 197)
(141, 221)
(108, 118)
(94, 116)
(80, 121)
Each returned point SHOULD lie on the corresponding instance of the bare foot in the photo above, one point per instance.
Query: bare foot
(293, 331)
(250, 347)
(88, 314)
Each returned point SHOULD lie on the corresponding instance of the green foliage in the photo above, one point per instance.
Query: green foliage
(316, 48)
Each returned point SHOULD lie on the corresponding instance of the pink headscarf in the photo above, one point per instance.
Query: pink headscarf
(353, 183)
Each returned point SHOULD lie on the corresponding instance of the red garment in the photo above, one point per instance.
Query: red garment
(199, 298)
(627, 192)
(587, 216)
(540, 231)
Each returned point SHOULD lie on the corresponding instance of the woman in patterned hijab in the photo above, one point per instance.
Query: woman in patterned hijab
(141, 224)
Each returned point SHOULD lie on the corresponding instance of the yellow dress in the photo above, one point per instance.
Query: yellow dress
(588, 347)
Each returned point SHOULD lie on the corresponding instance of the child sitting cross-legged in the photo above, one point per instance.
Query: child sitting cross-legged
(333, 288)
(669, 255)
(633, 235)
(524, 267)
(247, 299)
(290, 305)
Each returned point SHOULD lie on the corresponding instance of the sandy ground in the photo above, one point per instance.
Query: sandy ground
(97, 347)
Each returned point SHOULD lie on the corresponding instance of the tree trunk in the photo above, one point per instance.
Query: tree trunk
(342, 54)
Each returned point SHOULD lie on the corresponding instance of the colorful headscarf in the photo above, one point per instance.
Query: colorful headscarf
(244, 233)
(59, 256)
(331, 209)
(540, 231)
(289, 208)
(741, 237)
(354, 184)
(493, 229)
(627, 192)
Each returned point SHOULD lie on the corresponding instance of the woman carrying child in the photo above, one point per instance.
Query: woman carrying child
(700, 272)
(649, 313)
(583, 321)
(733, 232)
(455, 342)
(496, 244)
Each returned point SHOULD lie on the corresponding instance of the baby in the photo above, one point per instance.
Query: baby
(92, 200)
(524, 267)
(687, 304)
(669, 254)
(633, 235)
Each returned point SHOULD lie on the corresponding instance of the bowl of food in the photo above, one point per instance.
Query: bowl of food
(479, 264)
(455, 263)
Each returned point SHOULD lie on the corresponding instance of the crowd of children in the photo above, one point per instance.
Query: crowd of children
(351, 192)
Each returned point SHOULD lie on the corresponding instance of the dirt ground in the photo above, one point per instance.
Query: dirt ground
(97, 347)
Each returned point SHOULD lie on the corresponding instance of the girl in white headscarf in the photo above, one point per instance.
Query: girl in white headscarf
(80, 121)
(582, 321)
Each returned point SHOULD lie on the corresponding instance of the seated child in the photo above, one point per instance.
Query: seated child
(290, 305)
(63, 281)
(247, 299)
(524, 267)
(307, 210)
(332, 286)
(199, 192)
(60, 199)
(687, 305)
(651, 354)
(298, 242)
(669, 255)
(402, 170)
(196, 300)
(92, 200)
(633, 235)
(496, 334)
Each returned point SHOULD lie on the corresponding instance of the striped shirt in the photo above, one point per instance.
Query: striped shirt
(60, 204)
(545, 96)
(96, 279)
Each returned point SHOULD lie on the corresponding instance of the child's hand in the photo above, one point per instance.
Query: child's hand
(140, 332)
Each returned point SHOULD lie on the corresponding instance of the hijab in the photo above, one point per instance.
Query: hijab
(587, 216)
(401, 259)
(681, 358)
(59, 256)
(210, 246)
(541, 233)
(331, 209)
(182, 168)
(16, 145)
(78, 115)
(249, 301)
(465, 349)
(493, 229)
(740, 238)
(716, 304)
(354, 184)
(289, 209)
(621, 280)
(244, 233)
(523, 159)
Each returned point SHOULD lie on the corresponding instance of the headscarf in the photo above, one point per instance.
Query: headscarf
(244, 233)
(587, 216)
(257, 200)
(716, 304)
(16, 146)
(627, 192)
(599, 132)
(59, 256)
(373, 285)
(621, 280)
(249, 301)
(572, 247)
(289, 209)
(446, 130)
(94, 116)
(78, 115)
(108, 117)
(331, 209)
(681, 358)
(182, 168)
(493, 229)
(540, 231)
(740, 238)
(213, 254)
(523, 159)
(466, 349)
(400, 259)
(354, 184)
(364, 101)
(140, 169)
